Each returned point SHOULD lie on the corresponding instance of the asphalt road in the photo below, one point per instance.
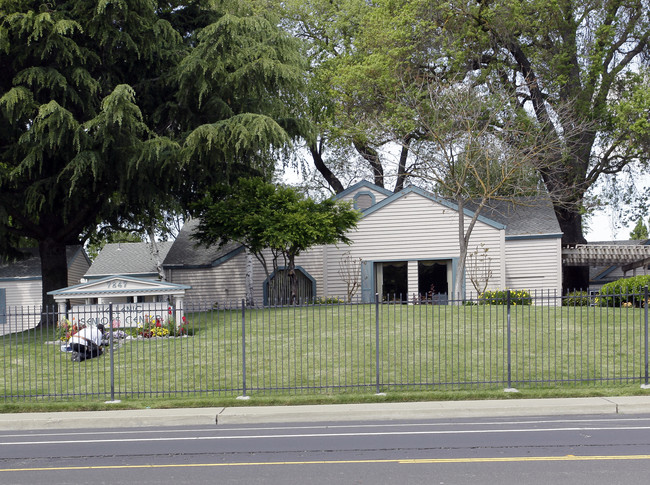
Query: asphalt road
(532, 450)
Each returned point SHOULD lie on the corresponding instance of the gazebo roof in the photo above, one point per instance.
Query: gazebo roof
(119, 286)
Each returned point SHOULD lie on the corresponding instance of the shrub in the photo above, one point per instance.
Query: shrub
(500, 297)
(321, 300)
(577, 298)
(625, 290)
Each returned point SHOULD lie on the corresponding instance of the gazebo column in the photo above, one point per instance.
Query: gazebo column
(178, 309)
(62, 309)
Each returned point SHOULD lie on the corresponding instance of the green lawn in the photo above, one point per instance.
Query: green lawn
(325, 349)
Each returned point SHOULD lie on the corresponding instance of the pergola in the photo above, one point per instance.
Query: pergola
(628, 256)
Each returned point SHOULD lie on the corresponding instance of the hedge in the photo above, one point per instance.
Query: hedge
(625, 290)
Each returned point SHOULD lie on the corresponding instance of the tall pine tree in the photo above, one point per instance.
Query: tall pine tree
(114, 110)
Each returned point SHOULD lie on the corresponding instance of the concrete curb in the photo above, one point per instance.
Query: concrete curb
(629, 405)
(423, 410)
(110, 419)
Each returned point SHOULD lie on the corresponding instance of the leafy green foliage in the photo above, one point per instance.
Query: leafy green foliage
(577, 298)
(640, 231)
(115, 113)
(576, 69)
(624, 291)
(261, 216)
(500, 297)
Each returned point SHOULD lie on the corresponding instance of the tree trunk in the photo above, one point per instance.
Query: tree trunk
(462, 256)
(156, 255)
(250, 299)
(573, 277)
(372, 157)
(331, 179)
(402, 174)
(293, 282)
(54, 276)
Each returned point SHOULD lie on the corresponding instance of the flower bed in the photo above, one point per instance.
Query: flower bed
(155, 326)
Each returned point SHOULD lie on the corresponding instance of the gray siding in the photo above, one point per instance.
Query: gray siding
(23, 304)
(534, 264)
(412, 228)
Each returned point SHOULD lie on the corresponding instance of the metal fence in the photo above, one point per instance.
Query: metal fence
(508, 342)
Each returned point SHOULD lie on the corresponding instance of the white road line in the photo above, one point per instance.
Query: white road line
(324, 435)
(141, 431)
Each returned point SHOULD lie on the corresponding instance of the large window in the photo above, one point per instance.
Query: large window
(392, 280)
(432, 281)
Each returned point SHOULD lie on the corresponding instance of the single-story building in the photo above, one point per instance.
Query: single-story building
(405, 246)
(21, 285)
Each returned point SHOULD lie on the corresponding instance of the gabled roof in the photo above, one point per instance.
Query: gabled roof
(530, 217)
(430, 196)
(134, 258)
(30, 266)
(118, 286)
(521, 217)
(364, 184)
(188, 253)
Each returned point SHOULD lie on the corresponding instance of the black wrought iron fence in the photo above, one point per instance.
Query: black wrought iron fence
(159, 351)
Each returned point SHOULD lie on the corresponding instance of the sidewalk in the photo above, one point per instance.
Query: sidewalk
(629, 405)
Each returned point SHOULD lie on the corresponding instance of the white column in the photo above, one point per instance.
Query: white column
(178, 309)
(62, 307)
(412, 281)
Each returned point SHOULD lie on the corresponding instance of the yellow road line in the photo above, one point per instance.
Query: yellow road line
(420, 461)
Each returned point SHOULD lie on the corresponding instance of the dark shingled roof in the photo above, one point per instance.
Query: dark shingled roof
(128, 258)
(30, 266)
(526, 216)
(189, 253)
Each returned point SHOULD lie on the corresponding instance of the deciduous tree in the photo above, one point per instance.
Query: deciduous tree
(262, 216)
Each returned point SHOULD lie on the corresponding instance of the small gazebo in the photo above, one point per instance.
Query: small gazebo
(129, 298)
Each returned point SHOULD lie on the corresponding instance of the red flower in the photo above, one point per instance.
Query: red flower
(158, 324)
(184, 319)
(169, 309)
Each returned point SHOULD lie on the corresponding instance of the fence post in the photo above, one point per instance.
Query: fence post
(243, 347)
(646, 304)
(110, 349)
(509, 388)
(378, 390)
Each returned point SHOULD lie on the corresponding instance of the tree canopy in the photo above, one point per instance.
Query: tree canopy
(111, 112)
(640, 231)
(262, 216)
(579, 69)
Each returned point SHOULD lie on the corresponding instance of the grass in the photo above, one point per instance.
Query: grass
(329, 353)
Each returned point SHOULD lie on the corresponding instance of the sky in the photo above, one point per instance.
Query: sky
(601, 228)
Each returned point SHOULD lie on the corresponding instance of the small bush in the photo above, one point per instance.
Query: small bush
(625, 290)
(321, 300)
(577, 298)
(500, 297)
